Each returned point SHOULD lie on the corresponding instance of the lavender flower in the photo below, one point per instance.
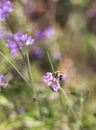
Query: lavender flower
(55, 88)
(48, 77)
(49, 32)
(3, 82)
(36, 53)
(40, 35)
(5, 8)
(17, 41)
(14, 45)
(17, 37)
(29, 41)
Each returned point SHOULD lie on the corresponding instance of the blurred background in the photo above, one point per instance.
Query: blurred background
(66, 30)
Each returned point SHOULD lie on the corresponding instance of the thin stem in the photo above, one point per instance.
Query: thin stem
(68, 101)
(30, 73)
(50, 62)
(33, 84)
(22, 55)
(14, 67)
(81, 108)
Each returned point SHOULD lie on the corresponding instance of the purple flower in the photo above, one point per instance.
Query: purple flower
(14, 45)
(57, 55)
(48, 77)
(39, 34)
(90, 13)
(17, 41)
(24, 37)
(55, 87)
(29, 41)
(5, 8)
(3, 82)
(36, 53)
(2, 15)
(17, 37)
(21, 110)
(3, 34)
(49, 32)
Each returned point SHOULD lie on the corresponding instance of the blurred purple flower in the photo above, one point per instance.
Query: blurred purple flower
(48, 77)
(90, 13)
(5, 8)
(24, 37)
(36, 53)
(17, 41)
(3, 34)
(57, 55)
(39, 34)
(17, 37)
(29, 41)
(3, 82)
(55, 87)
(14, 46)
(21, 110)
(2, 15)
(49, 32)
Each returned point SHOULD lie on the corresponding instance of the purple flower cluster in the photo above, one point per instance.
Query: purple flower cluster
(40, 35)
(3, 82)
(5, 8)
(17, 41)
(54, 81)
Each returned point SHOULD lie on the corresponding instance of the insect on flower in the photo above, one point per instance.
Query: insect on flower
(53, 79)
(58, 75)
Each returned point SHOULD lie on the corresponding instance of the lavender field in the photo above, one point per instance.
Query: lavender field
(47, 64)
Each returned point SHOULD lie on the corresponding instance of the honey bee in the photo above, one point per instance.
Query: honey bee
(58, 75)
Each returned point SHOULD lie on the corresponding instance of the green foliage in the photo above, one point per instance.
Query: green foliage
(29, 104)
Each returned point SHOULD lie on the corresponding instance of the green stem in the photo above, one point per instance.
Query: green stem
(50, 62)
(14, 67)
(30, 73)
(68, 102)
(33, 84)
(81, 108)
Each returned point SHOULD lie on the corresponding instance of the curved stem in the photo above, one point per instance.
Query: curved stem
(50, 62)
(29, 71)
(68, 102)
(14, 67)
(33, 84)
